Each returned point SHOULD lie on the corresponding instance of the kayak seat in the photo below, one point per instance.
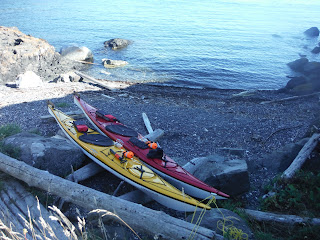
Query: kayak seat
(80, 125)
(106, 116)
(136, 142)
(97, 139)
(121, 130)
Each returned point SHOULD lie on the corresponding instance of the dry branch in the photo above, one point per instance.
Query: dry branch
(153, 136)
(302, 157)
(290, 98)
(135, 215)
(85, 172)
(267, 217)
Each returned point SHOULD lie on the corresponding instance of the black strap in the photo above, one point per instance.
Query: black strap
(141, 170)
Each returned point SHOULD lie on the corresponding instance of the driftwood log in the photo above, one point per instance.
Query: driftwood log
(280, 218)
(92, 79)
(290, 98)
(16, 201)
(301, 157)
(137, 216)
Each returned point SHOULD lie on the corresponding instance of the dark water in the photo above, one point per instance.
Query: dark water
(222, 43)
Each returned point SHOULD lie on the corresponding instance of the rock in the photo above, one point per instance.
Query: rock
(28, 80)
(315, 81)
(229, 176)
(108, 63)
(312, 32)
(234, 151)
(20, 53)
(68, 77)
(280, 160)
(295, 81)
(116, 43)
(77, 53)
(316, 50)
(312, 68)
(298, 64)
(53, 155)
(216, 218)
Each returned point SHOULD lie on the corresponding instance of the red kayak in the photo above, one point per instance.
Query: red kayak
(147, 151)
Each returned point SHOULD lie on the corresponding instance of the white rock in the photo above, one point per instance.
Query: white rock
(28, 80)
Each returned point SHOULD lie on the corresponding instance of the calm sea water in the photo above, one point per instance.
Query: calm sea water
(209, 43)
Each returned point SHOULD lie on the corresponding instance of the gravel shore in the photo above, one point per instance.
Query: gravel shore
(197, 122)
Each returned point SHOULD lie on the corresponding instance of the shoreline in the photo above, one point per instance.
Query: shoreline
(197, 122)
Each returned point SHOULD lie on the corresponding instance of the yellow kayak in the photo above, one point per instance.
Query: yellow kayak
(111, 156)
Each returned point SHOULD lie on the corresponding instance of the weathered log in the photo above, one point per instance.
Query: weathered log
(301, 157)
(290, 98)
(155, 135)
(92, 79)
(135, 215)
(85, 172)
(10, 218)
(136, 196)
(267, 217)
(23, 202)
(147, 122)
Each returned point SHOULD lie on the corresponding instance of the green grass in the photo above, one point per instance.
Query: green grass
(62, 105)
(299, 196)
(9, 130)
(8, 149)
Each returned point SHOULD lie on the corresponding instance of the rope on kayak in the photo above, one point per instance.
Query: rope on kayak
(212, 199)
(225, 225)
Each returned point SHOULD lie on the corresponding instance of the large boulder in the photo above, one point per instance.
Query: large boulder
(229, 176)
(316, 50)
(298, 64)
(77, 53)
(295, 81)
(20, 53)
(116, 43)
(53, 155)
(312, 32)
(278, 161)
(312, 68)
(219, 219)
(28, 80)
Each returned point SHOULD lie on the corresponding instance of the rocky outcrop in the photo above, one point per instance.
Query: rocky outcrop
(280, 160)
(298, 65)
(229, 176)
(20, 53)
(308, 81)
(53, 155)
(108, 63)
(116, 43)
(312, 32)
(77, 53)
(316, 50)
